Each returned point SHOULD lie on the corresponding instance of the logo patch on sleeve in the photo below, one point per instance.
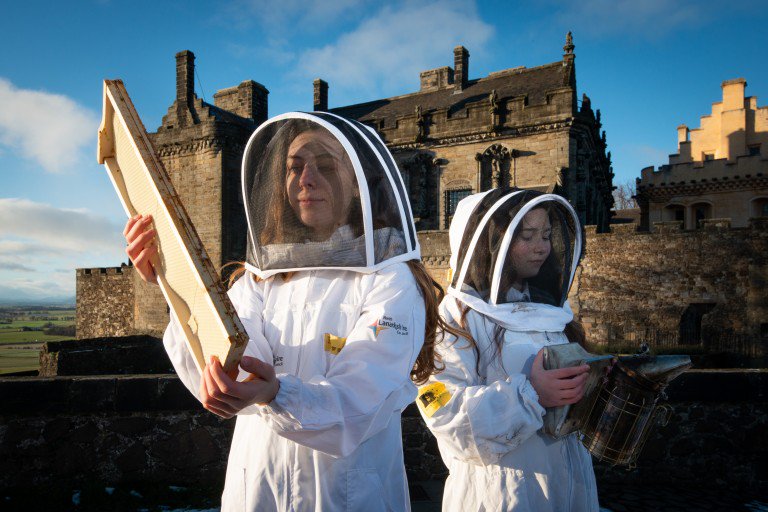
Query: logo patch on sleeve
(333, 344)
(387, 322)
(432, 397)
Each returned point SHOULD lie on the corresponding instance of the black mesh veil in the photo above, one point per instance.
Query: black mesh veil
(517, 245)
(321, 191)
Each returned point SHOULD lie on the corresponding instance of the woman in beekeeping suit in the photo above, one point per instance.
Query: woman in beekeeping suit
(342, 318)
(513, 254)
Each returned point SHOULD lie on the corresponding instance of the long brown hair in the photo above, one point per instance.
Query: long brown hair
(428, 361)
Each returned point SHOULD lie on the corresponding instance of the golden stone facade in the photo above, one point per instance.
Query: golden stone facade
(720, 170)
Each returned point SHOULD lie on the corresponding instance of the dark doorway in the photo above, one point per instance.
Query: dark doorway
(690, 322)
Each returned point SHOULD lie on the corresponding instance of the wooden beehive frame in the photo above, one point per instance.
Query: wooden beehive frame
(187, 277)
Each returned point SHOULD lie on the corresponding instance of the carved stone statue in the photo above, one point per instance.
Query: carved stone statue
(493, 110)
(421, 122)
(493, 164)
(569, 46)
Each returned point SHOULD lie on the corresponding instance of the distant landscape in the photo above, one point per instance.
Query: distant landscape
(24, 329)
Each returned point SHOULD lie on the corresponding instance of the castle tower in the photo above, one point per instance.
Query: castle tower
(201, 146)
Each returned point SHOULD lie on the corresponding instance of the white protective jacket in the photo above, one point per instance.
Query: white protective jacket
(489, 432)
(485, 413)
(343, 344)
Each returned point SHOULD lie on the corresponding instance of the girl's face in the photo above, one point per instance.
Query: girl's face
(531, 245)
(320, 182)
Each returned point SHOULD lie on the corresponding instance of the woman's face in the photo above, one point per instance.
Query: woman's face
(531, 245)
(320, 182)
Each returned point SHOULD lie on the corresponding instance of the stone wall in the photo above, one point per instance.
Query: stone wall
(540, 158)
(631, 286)
(74, 431)
(105, 302)
(66, 432)
(116, 302)
(635, 285)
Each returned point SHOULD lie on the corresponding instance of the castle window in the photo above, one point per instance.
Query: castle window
(708, 156)
(674, 212)
(452, 198)
(700, 212)
(754, 150)
(760, 207)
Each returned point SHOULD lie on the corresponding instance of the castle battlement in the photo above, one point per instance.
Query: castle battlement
(101, 271)
(743, 167)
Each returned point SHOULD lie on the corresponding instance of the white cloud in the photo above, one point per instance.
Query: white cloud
(30, 290)
(41, 245)
(15, 247)
(56, 228)
(50, 129)
(389, 49)
(15, 267)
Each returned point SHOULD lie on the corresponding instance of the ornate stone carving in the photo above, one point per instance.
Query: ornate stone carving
(422, 122)
(569, 46)
(494, 164)
(493, 111)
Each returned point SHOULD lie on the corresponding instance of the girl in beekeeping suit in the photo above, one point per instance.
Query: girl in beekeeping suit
(341, 315)
(513, 254)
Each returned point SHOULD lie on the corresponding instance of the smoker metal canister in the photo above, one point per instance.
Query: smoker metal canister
(624, 409)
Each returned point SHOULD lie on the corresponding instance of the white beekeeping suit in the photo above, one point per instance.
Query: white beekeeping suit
(328, 300)
(483, 408)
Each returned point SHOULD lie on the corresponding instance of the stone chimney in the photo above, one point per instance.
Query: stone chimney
(733, 94)
(320, 102)
(185, 84)
(682, 134)
(434, 79)
(460, 68)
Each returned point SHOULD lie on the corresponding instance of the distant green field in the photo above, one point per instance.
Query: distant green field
(17, 324)
(20, 350)
(18, 359)
(13, 337)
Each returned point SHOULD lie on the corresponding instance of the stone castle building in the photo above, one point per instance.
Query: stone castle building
(720, 170)
(519, 127)
(455, 136)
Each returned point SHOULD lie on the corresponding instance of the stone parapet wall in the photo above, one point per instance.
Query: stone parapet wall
(67, 431)
(97, 356)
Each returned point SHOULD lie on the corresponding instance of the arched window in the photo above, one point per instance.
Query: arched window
(493, 167)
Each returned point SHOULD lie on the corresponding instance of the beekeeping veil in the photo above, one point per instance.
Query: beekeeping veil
(482, 233)
(322, 192)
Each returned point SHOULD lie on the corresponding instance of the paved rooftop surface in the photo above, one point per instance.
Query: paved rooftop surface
(425, 497)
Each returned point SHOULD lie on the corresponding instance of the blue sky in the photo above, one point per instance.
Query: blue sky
(647, 65)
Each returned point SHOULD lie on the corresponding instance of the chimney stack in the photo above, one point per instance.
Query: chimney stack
(185, 77)
(321, 95)
(460, 68)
